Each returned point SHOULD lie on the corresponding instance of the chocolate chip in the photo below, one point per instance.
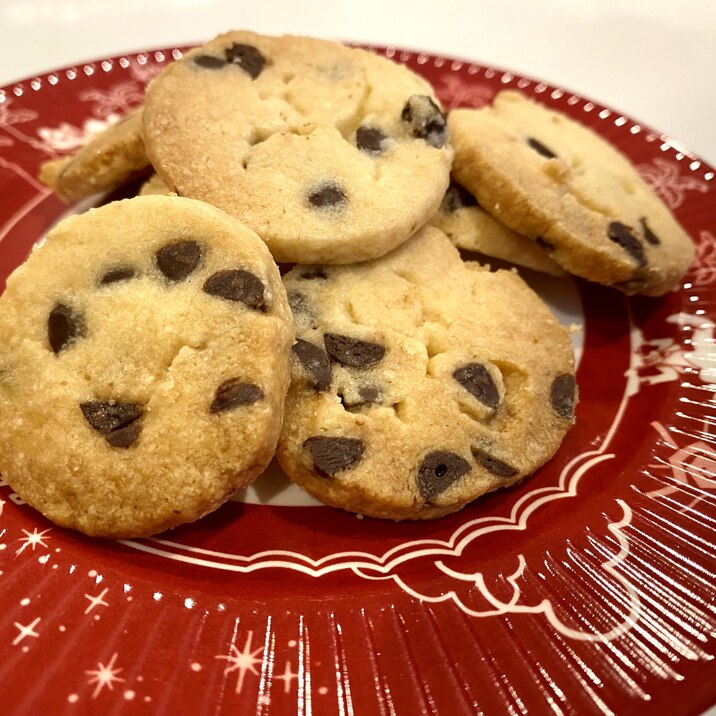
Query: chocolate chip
(237, 285)
(209, 62)
(234, 392)
(63, 327)
(493, 464)
(332, 455)
(247, 57)
(117, 422)
(119, 273)
(544, 244)
(315, 361)
(313, 274)
(476, 379)
(438, 470)
(370, 139)
(456, 197)
(562, 395)
(621, 234)
(649, 235)
(541, 148)
(327, 196)
(367, 395)
(179, 259)
(426, 120)
(353, 351)
(298, 302)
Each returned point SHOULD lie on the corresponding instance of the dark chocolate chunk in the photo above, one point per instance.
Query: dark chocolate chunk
(237, 285)
(316, 362)
(298, 302)
(247, 57)
(370, 140)
(234, 392)
(353, 351)
(544, 244)
(332, 455)
(476, 379)
(63, 327)
(313, 274)
(179, 259)
(327, 196)
(493, 464)
(621, 234)
(541, 148)
(125, 436)
(119, 273)
(117, 422)
(426, 120)
(562, 395)
(438, 470)
(456, 197)
(649, 235)
(367, 395)
(209, 62)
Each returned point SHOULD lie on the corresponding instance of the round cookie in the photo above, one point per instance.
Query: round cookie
(107, 161)
(471, 228)
(331, 154)
(550, 178)
(143, 366)
(419, 382)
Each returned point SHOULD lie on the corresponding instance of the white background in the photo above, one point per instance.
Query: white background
(650, 59)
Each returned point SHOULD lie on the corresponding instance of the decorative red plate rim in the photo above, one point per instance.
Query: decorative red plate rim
(608, 610)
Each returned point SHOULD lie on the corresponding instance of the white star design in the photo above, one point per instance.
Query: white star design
(104, 676)
(242, 661)
(287, 677)
(96, 601)
(33, 539)
(28, 630)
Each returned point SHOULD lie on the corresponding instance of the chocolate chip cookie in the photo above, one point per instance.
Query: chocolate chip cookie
(331, 154)
(471, 228)
(554, 180)
(143, 366)
(107, 161)
(419, 382)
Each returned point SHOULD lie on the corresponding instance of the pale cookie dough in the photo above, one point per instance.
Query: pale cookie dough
(107, 161)
(330, 154)
(471, 228)
(550, 178)
(420, 382)
(143, 366)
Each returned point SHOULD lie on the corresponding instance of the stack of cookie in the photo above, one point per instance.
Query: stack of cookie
(150, 341)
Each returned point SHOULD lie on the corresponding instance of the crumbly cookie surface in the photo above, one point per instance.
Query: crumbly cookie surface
(107, 161)
(143, 366)
(471, 228)
(550, 178)
(420, 382)
(331, 154)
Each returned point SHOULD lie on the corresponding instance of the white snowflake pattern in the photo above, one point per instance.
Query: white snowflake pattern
(33, 539)
(119, 97)
(242, 661)
(104, 675)
(704, 269)
(97, 601)
(68, 138)
(664, 178)
(287, 677)
(25, 631)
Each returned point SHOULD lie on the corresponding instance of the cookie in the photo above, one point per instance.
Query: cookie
(143, 366)
(471, 228)
(554, 180)
(331, 154)
(107, 161)
(419, 382)
(154, 185)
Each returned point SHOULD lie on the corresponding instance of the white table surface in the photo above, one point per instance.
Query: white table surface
(653, 60)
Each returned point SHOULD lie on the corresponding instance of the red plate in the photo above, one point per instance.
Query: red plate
(587, 589)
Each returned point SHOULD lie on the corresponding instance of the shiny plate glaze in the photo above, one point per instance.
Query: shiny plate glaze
(587, 589)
